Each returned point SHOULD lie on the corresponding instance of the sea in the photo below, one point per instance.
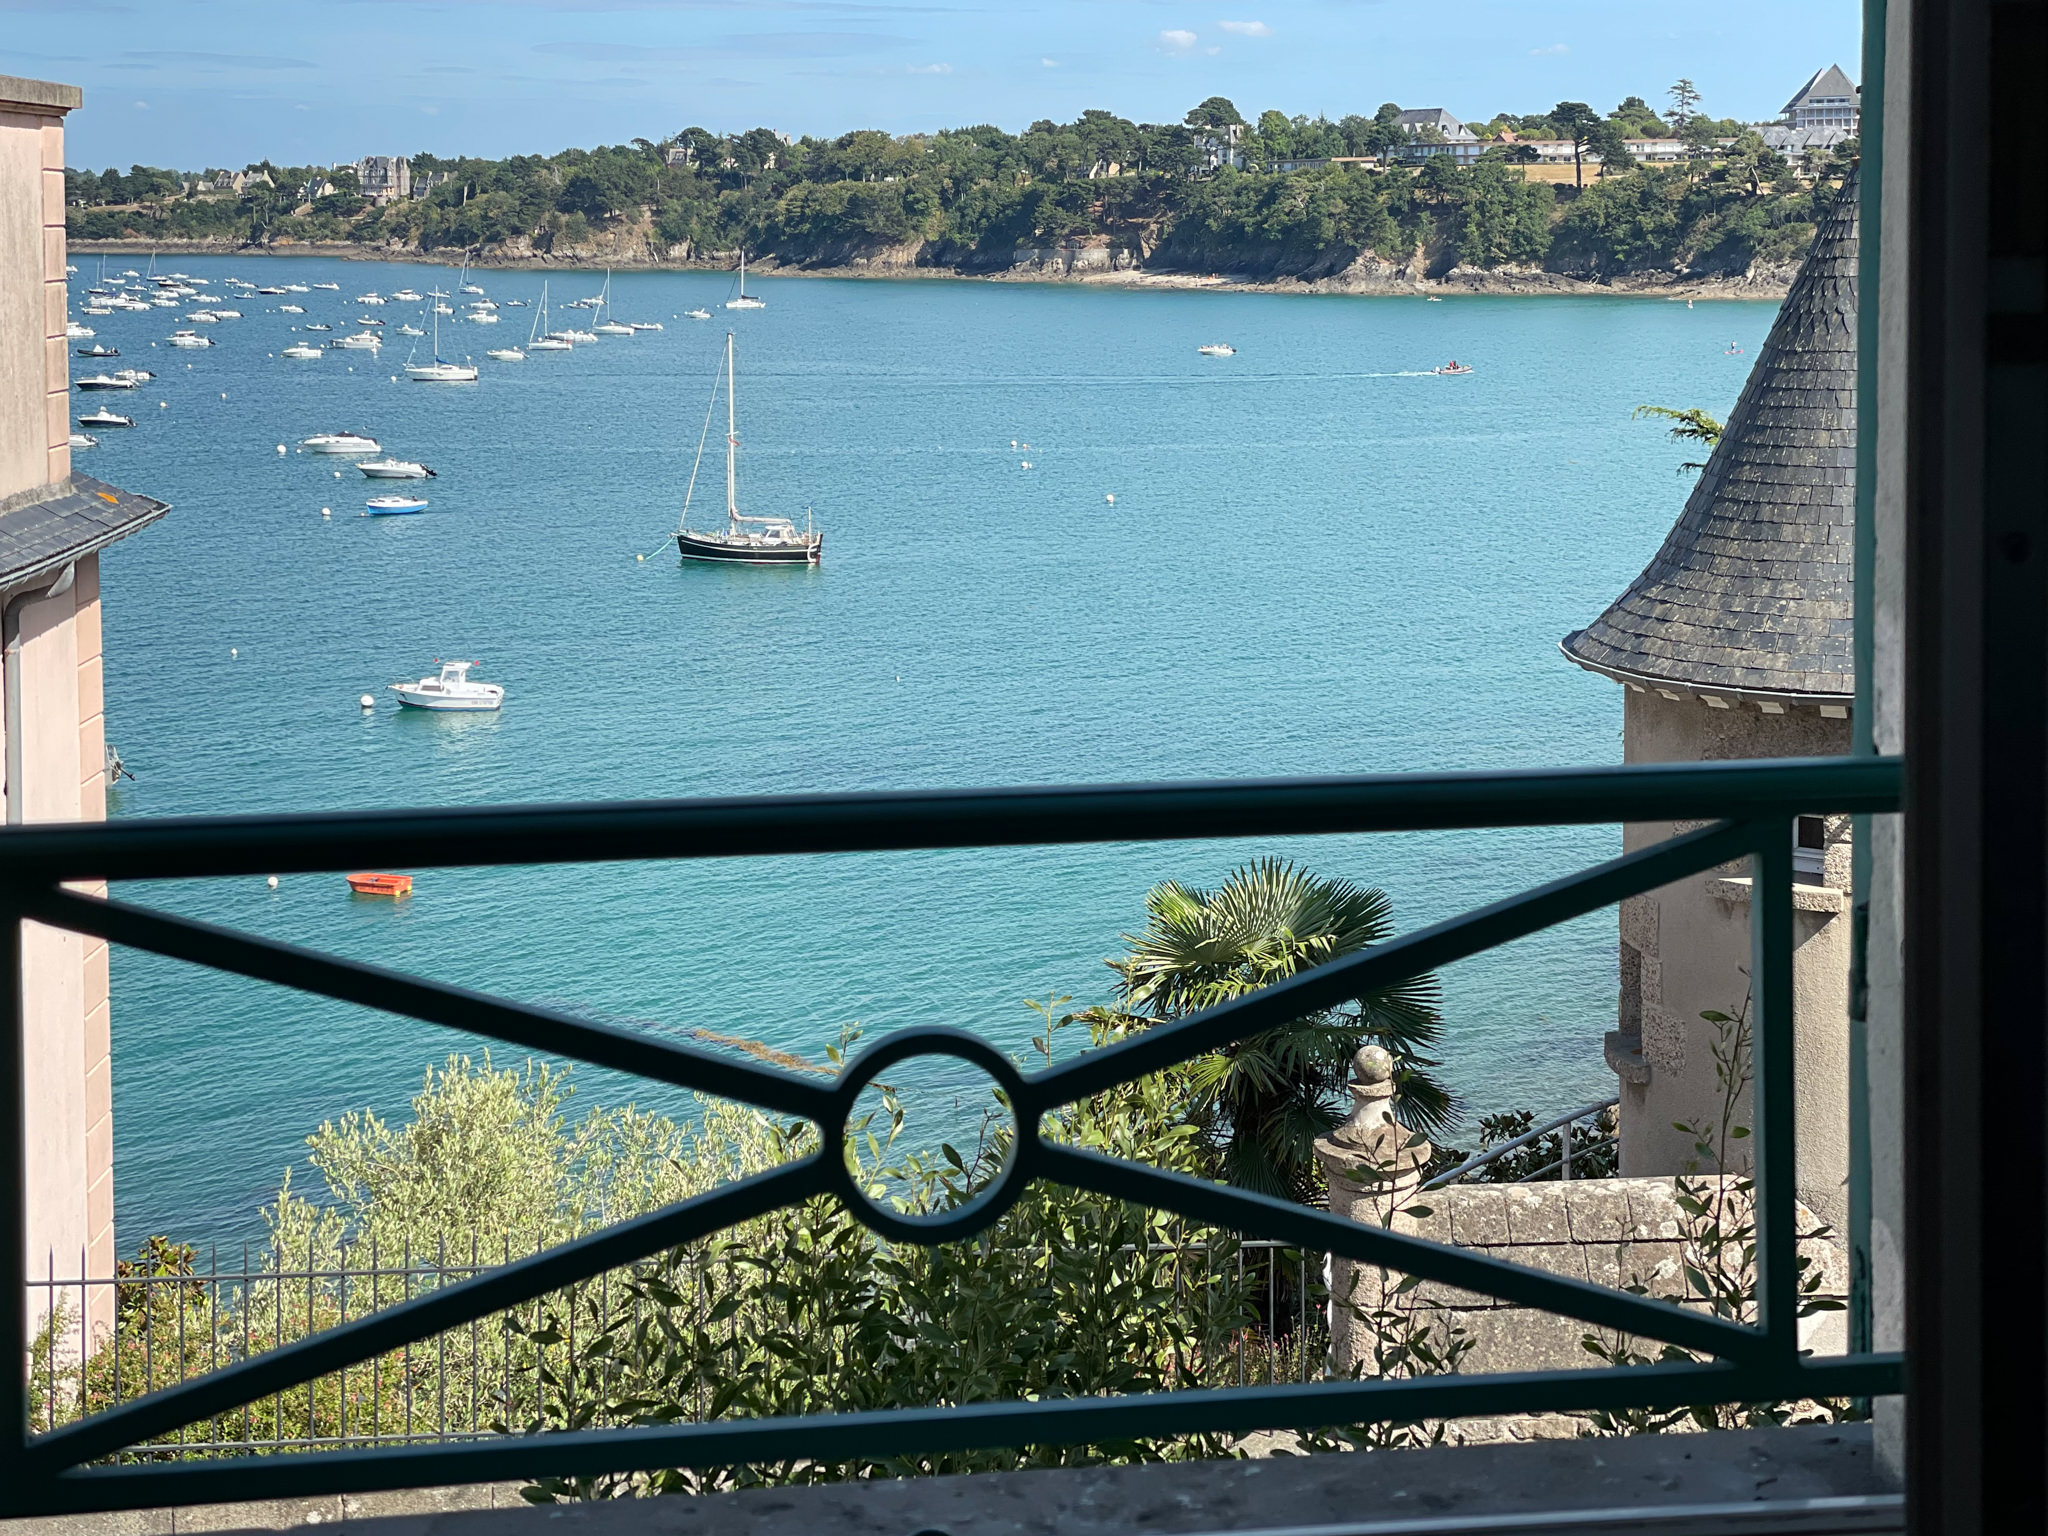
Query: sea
(1061, 546)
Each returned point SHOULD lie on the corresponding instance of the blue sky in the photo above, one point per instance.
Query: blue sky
(190, 83)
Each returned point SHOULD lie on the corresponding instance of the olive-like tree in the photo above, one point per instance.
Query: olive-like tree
(1262, 1102)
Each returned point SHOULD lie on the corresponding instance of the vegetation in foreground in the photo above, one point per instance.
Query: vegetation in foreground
(981, 199)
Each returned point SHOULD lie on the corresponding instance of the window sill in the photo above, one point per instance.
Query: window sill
(1805, 898)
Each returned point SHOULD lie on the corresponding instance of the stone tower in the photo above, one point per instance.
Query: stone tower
(1735, 642)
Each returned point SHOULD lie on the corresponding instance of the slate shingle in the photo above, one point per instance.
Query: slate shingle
(1752, 589)
(40, 534)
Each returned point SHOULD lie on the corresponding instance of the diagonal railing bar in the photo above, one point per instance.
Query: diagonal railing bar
(1771, 1050)
(896, 1433)
(1427, 949)
(190, 847)
(409, 1322)
(1256, 1215)
(374, 986)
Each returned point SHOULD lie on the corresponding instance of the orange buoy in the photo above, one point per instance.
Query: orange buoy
(381, 885)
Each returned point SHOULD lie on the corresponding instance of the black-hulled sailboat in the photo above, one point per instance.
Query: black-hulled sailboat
(745, 540)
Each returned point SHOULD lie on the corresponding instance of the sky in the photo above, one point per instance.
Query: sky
(197, 83)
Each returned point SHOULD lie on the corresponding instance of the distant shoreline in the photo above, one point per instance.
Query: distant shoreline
(1462, 282)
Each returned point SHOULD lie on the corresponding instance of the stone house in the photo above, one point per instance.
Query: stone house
(1736, 642)
(54, 523)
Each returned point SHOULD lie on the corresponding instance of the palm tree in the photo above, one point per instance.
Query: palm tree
(1263, 1101)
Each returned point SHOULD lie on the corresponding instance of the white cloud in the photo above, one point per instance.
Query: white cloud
(1176, 40)
(1246, 28)
(1050, 63)
(142, 106)
(931, 69)
(1554, 48)
(1212, 52)
(300, 106)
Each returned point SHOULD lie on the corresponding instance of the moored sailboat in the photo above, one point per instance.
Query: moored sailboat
(745, 540)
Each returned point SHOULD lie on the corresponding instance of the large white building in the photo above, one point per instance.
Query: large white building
(1432, 131)
(1829, 100)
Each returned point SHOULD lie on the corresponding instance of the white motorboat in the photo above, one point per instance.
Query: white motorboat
(291, 309)
(612, 328)
(288, 287)
(105, 418)
(648, 325)
(743, 299)
(232, 314)
(395, 506)
(409, 330)
(340, 442)
(407, 296)
(482, 304)
(371, 322)
(330, 287)
(203, 317)
(189, 339)
(481, 317)
(1218, 349)
(103, 381)
(696, 314)
(273, 290)
(515, 303)
(573, 337)
(73, 331)
(369, 298)
(362, 341)
(471, 288)
(451, 690)
(139, 375)
(303, 350)
(394, 469)
(506, 354)
(315, 325)
(84, 440)
(96, 309)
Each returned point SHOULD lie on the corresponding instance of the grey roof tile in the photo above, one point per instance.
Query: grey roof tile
(1752, 587)
(41, 532)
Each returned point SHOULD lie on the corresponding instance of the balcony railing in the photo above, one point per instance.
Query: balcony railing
(1748, 809)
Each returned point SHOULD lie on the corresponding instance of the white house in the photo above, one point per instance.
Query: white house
(1829, 100)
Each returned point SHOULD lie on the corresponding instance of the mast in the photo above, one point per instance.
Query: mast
(732, 437)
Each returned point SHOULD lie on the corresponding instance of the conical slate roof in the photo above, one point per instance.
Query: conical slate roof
(1751, 594)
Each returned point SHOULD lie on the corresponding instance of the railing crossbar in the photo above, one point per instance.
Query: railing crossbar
(1492, 1154)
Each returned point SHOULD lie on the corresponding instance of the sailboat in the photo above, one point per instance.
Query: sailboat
(744, 300)
(746, 540)
(439, 372)
(540, 340)
(608, 326)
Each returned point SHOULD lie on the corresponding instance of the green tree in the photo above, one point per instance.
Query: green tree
(1216, 112)
(1685, 101)
(1262, 1102)
(1607, 140)
(1576, 121)
(1693, 426)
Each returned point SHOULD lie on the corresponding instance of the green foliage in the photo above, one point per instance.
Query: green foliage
(1262, 1103)
(1693, 425)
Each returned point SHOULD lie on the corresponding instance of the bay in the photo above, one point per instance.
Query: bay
(1321, 557)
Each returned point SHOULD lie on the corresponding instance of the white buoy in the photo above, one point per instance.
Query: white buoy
(327, 512)
(369, 701)
(639, 557)
(163, 405)
(337, 474)
(223, 394)
(280, 447)
(232, 651)
(271, 882)
(1110, 498)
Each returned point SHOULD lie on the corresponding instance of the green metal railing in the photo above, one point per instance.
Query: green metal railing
(1748, 809)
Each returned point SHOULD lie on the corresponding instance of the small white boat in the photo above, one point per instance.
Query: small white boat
(394, 469)
(273, 290)
(481, 317)
(203, 317)
(613, 328)
(438, 372)
(96, 309)
(451, 690)
(743, 299)
(395, 506)
(369, 298)
(407, 296)
(482, 304)
(288, 287)
(291, 309)
(103, 381)
(1218, 349)
(340, 442)
(330, 287)
(371, 322)
(303, 350)
(73, 331)
(190, 339)
(696, 314)
(515, 304)
(362, 341)
(105, 418)
(506, 354)
(233, 314)
(471, 288)
(650, 325)
(314, 325)
(409, 330)
(550, 344)
(139, 375)
(573, 337)
(84, 440)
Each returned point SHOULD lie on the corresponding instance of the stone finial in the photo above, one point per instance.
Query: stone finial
(1372, 1097)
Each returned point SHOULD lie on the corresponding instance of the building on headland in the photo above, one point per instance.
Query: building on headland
(53, 525)
(1221, 145)
(1432, 132)
(384, 178)
(1736, 642)
(1829, 100)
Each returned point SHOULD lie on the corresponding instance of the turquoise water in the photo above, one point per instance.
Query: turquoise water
(1320, 558)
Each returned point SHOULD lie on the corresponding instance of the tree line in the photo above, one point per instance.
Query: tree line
(1207, 192)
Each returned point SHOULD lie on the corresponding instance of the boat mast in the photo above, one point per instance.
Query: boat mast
(732, 438)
